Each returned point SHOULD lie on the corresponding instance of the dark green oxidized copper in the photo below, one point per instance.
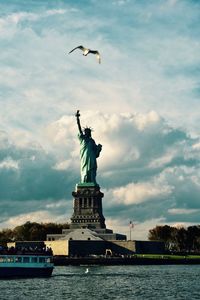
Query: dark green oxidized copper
(89, 152)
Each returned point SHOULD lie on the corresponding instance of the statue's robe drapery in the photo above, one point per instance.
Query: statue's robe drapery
(89, 151)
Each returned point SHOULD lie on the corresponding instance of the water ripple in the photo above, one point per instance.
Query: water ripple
(108, 282)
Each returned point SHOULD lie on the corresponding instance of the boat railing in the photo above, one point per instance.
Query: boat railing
(25, 259)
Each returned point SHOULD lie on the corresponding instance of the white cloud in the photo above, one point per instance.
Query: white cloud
(38, 216)
(163, 160)
(63, 165)
(145, 120)
(184, 211)
(9, 163)
(196, 146)
(58, 204)
(15, 18)
(135, 193)
(53, 12)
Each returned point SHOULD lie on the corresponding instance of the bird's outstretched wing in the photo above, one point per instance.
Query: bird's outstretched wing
(97, 55)
(79, 47)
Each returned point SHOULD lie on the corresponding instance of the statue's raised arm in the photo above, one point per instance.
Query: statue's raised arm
(77, 115)
(89, 152)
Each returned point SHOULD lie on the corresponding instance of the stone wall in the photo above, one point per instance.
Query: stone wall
(59, 247)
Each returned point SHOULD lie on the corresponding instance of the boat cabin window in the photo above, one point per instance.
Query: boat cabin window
(48, 260)
(18, 259)
(26, 259)
(33, 259)
(10, 259)
(41, 259)
(2, 259)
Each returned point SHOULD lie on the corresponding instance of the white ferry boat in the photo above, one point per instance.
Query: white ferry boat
(25, 265)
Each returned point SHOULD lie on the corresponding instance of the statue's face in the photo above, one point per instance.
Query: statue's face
(87, 132)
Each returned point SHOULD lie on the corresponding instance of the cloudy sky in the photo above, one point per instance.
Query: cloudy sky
(142, 103)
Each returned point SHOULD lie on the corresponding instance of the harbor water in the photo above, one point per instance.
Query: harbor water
(108, 282)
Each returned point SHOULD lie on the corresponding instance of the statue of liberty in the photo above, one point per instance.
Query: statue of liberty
(89, 152)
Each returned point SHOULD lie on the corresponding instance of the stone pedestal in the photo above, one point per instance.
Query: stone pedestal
(87, 207)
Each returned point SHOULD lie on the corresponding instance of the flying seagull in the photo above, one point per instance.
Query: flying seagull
(86, 51)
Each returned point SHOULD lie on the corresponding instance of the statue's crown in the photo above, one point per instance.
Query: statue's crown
(87, 129)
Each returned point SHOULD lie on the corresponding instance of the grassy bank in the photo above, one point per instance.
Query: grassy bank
(167, 256)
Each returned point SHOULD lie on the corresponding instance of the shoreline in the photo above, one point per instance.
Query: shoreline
(134, 260)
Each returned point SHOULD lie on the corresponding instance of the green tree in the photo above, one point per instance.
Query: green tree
(31, 231)
(6, 235)
(193, 241)
(177, 239)
(161, 233)
(182, 239)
